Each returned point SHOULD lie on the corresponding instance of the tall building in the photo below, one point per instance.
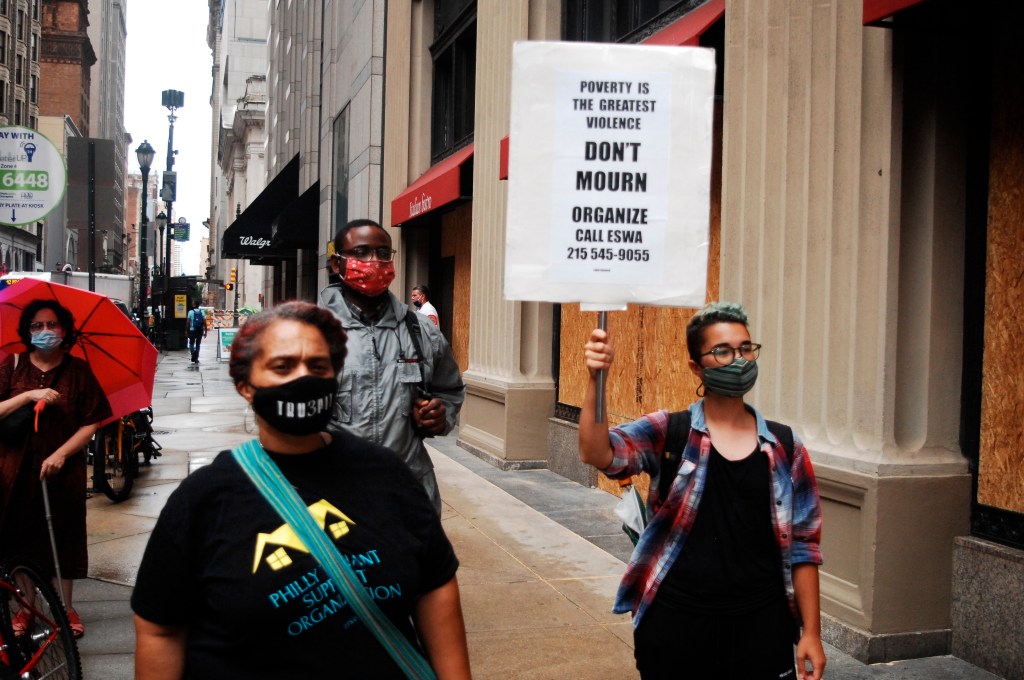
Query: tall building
(21, 246)
(107, 34)
(237, 36)
(65, 61)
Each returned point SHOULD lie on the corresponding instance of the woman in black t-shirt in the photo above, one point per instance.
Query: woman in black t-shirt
(226, 589)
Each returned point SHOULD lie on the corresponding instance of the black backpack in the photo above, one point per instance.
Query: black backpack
(679, 433)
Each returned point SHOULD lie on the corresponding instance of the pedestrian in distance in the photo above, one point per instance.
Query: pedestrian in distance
(230, 588)
(724, 578)
(54, 451)
(420, 300)
(196, 323)
(401, 383)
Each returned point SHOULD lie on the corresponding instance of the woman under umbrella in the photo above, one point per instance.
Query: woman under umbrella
(74, 406)
(227, 590)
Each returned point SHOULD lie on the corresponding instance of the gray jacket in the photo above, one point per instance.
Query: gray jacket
(377, 384)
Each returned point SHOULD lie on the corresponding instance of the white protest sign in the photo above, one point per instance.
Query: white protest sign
(609, 181)
(33, 175)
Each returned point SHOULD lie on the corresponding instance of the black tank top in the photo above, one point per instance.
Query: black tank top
(730, 561)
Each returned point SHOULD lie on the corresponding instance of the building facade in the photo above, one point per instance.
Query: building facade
(108, 34)
(863, 210)
(21, 247)
(65, 61)
(324, 81)
(237, 35)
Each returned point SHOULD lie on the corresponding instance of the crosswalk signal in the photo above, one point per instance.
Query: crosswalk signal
(228, 286)
(234, 272)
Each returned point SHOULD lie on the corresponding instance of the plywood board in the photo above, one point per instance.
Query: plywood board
(1001, 460)
(456, 242)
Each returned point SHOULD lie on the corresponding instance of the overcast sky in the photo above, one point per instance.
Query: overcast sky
(167, 50)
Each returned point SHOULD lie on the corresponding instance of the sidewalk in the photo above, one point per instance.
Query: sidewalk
(536, 587)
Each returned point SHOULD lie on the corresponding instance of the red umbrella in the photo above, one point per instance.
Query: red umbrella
(120, 356)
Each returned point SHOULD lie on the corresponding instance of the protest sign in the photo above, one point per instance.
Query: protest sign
(609, 174)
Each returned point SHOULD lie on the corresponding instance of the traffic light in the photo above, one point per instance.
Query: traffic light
(229, 286)
(234, 272)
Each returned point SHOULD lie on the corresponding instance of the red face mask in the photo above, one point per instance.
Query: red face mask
(370, 278)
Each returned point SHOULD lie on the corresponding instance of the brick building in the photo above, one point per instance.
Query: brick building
(65, 59)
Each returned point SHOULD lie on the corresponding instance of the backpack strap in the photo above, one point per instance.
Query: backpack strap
(675, 442)
(679, 433)
(416, 333)
(784, 433)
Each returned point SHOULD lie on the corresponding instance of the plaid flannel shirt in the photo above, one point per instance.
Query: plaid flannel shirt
(796, 507)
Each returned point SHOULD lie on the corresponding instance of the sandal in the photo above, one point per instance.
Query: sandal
(21, 622)
(77, 629)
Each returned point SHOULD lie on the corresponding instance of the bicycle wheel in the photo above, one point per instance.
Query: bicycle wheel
(41, 645)
(115, 463)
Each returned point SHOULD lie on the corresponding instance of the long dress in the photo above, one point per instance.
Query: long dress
(23, 529)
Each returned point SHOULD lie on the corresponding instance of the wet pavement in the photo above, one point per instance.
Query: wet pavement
(540, 556)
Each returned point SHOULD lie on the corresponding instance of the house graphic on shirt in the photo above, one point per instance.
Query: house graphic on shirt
(285, 539)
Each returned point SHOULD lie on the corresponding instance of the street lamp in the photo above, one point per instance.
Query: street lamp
(161, 222)
(172, 100)
(145, 153)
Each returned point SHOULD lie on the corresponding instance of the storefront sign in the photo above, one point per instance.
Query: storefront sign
(609, 174)
(33, 175)
(180, 306)
(225, 336)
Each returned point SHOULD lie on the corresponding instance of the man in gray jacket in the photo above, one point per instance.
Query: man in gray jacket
(400, 382)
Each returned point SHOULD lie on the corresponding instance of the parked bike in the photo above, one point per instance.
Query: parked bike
(35, 636)
(115, 453)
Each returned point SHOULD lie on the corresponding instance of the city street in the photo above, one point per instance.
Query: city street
(536, 588)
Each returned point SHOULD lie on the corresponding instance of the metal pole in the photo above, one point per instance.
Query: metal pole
(53, 543)
(143, 228)
(92, 214)
(602, 323)
(235, 284)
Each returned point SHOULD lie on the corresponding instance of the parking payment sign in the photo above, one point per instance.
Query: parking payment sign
(33, 175)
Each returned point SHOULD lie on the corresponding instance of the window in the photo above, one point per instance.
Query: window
(603, 21)
(34, 49)
(33, 89)
(454, 87)
(3, 96)
(3, 6)
(35, 9)
(18, 69)
(3, 47)
(21, 25)
(18, 107)
(340, 135)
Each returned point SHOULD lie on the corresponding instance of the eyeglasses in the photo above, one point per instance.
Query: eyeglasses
(366, 253)
(725, 355)
(40, 325)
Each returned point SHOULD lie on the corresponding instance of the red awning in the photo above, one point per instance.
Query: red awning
(437, 187)
(876, 10)
(687, 30)
(503, 158)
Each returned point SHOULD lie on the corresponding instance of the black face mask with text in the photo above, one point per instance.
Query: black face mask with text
(302, 406)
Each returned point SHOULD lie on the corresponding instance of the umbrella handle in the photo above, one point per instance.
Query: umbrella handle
(40, 405)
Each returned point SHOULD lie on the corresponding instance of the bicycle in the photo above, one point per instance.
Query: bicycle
(35, 636)
(116, 449)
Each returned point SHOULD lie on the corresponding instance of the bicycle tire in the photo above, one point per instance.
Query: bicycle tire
(45, 618)
(115, 462)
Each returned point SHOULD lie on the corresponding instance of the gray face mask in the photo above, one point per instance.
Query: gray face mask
(733, 380)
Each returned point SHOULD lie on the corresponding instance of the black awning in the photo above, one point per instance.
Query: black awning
(298, 225)
(250, 236)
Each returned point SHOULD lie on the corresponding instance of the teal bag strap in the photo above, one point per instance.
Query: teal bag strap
(267, 478)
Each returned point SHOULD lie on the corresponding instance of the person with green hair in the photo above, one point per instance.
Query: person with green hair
(724, 578)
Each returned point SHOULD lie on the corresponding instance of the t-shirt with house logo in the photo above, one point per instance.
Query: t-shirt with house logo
(221, 562)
